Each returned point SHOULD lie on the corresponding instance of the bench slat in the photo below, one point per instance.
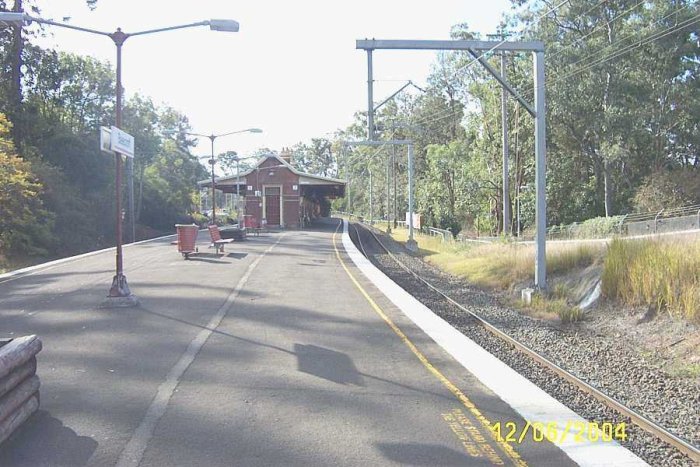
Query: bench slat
(216, 238)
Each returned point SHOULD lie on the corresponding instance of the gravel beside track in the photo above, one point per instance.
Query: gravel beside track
(605, 363)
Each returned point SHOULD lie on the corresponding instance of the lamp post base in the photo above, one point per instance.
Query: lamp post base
(412, 245)
(119, 294)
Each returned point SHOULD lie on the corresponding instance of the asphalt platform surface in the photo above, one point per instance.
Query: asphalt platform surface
(266, 355)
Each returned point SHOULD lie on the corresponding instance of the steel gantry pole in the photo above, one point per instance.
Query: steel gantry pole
(349, 195)
(370, 197)
(540, 174)
(370, 97)
(393, 173)
(506, 158)
(411, 243)
(388, 194)
(538, 111)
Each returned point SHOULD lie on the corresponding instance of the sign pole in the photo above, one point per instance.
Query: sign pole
(119, 293)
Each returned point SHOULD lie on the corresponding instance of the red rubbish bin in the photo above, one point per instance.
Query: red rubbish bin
(186, 238)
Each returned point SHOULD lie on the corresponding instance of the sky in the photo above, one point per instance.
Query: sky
(292, 69)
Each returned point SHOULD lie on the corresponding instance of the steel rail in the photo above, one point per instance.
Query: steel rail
(640, 420)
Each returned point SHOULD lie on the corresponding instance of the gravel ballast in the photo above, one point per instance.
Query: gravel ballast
(605, 363)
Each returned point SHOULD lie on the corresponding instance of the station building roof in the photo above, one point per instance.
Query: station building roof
(329, 186)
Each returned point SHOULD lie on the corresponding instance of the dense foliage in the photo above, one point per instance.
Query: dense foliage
(623, 106)
(56, 187)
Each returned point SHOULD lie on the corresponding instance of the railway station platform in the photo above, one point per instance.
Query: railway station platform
(281, 351)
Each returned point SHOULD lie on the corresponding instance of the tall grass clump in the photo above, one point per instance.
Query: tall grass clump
(655, 273)
(501, 265)
(562, 258)
(556, 306)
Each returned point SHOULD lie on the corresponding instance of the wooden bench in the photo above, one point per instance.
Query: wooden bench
(216, 239)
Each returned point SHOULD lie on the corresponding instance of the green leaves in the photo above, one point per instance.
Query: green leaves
(23, 221)
(623, 105)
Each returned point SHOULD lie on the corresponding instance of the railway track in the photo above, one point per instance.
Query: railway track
(687, 449)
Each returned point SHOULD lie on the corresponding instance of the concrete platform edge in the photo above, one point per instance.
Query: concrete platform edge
(532, 403)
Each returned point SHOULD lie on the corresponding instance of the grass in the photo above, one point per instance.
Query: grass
(664, 274)
(501, 265)
(555, 306)
(685, 370)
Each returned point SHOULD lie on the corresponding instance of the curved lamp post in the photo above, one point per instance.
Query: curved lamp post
(212, 161)
(119, 293)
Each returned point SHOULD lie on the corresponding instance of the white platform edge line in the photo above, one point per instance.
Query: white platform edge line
(31, 269)
(528, 400)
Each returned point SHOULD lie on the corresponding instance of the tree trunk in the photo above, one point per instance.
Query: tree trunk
(139, 202)
(607, 180)
(16, 76)
(598, 173)
(607, 132)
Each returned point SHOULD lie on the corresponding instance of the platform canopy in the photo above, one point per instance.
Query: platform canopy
(308, 183)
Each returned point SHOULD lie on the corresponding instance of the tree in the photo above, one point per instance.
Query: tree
(316, 157)
(24, 223)
(169, 187)
(668, 188)
(617, 72)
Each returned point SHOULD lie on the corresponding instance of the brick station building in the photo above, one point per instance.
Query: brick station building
(279, 195)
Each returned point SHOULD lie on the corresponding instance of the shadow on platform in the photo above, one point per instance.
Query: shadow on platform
(327, 364)
(59, 445)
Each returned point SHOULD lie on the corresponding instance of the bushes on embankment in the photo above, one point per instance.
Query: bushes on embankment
(664, 274)
(661, 273)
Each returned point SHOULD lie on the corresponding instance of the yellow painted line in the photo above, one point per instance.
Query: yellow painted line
(468, 404)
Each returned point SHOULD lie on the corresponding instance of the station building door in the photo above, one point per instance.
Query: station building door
(272, 205)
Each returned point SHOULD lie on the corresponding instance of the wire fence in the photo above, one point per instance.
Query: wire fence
(686, 218)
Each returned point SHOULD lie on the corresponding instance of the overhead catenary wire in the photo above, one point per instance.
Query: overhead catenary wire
(438, 116)
(492, 49)
(486, 53)
(450, 114)
(597, 59)
(626, 49)
(595, 28)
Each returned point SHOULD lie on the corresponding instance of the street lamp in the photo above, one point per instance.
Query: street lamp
(212, 161)
(238, 184)
(119, 293)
